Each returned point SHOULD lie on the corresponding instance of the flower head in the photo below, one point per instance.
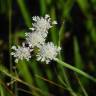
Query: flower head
(21, 53)
(34, 39)
(47, 52)
(42, 24)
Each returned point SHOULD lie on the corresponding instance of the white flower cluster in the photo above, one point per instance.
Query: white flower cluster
(36, 38)
(47, 52)
(21, 53)
(42, 24)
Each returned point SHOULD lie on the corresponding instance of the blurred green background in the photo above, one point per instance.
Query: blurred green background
(75, 33)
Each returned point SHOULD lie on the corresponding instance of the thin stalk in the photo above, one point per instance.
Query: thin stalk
(49, 81)
(60, 57)
(6, 88)
(81, 86)
(10, 14)
(67, 87)
(10, 43)
(28, 92)
(10, 27)
(1, 91)
(25, 83)
(16, 85)
(24, 11)
(61, 32)
(75, 69)
(60, 86)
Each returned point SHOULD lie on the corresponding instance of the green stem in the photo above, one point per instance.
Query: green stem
(66, 82)
(10, 27)
(4, 71)
(81, 86)
(10, 20)
(61, 32)
(24, 11)
(75, 69)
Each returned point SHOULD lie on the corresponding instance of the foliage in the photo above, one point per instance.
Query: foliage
(75, 33)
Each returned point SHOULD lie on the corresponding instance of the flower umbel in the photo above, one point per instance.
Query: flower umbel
(21, 53)
(34, 39)
(47, 52)
(42, 24)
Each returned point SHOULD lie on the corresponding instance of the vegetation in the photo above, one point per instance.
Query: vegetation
(75, 33)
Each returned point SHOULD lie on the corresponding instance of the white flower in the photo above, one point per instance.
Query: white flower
(42, 24)
(21, 53)
(47, 52)
(34, 39)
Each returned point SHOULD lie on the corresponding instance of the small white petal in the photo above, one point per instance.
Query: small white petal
(34, 18)
(32, 29)
(59, 48)
(43, 59)
(26, 34)
(23, 44)
(12, 53)
(54, 22)
(13, 47)
(47, 16)
(38, 58)
(16, 60)
(47, 61)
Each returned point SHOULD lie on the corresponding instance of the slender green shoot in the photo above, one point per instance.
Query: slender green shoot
(75, 69)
